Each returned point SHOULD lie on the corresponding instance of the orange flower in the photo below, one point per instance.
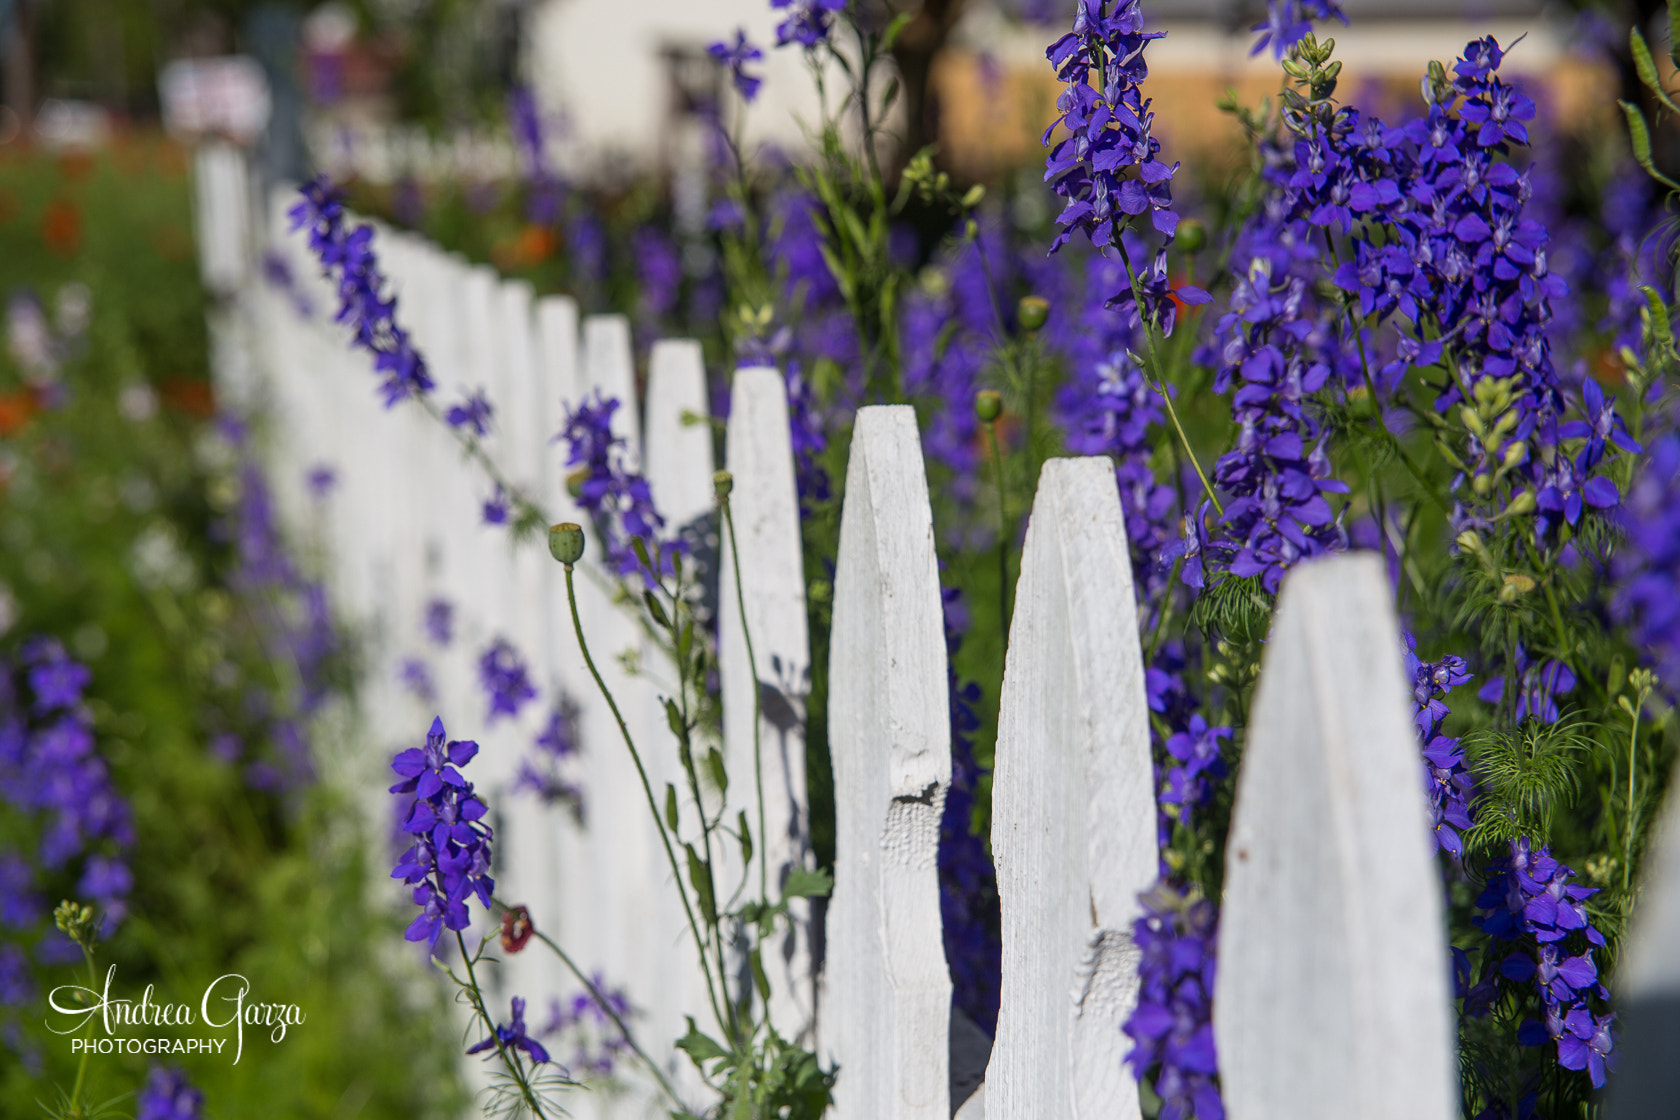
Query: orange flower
(15, 410)
(61, 227)
(189, 395)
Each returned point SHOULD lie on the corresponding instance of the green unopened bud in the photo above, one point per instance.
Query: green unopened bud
(974, 196)
(1515, 455)
(575, 481)
(77, 921)
(1467, 416)
(1191, 236)
(565, 542)
(1520, 505)
(722, 483)
(1482, 484)
(1515, 584)
(1033, 311)
(988, 405)
(1470, 541)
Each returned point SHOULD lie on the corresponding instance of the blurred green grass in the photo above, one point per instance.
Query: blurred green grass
(227, 879)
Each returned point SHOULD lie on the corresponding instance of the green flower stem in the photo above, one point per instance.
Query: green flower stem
(752, 665)
(602, 1002)
(653, 808)
(1160, 384)
(1633, 745)
(476, 995)
(1003, 529)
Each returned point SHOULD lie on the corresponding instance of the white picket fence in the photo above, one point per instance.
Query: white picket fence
(1333, 995)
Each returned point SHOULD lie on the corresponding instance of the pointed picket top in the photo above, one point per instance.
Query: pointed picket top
(1647, 985)
(887, 1003)
(1332, 998)
(1073, 809)
(679, 453)
(608, 367)
(765, 507)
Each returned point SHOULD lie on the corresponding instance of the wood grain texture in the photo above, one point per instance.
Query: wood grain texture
(1073, 816)
(887, 990)
(1332, 997)
(766, 514)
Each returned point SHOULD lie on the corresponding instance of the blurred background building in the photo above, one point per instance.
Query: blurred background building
(393, 87)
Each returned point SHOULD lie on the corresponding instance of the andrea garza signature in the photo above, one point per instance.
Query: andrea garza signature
(231, 988)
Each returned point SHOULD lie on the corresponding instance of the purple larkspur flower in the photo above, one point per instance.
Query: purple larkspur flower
(598, 1041)
(347, 256)
(1287, 22)
(17, 980)
(1530, 903)
(1539, 684)
(968, 898)
(542, 774)
(735, 56)
(512, 1036)
(417, 679)
(615, 495)
(1171, 1027)
(472, 414)
(807, 22)
(439, 621)
(1446, 775)
(320, 480)
(168, 1095)
(1106, 165)
(1647, 568)
(502, 672)
(449, 857)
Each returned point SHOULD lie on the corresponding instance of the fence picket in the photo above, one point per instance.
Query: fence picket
(766, 514)
(887, 1002)
(1332, 998)
(1073, 816)
(679, 466)
(1647, 1078)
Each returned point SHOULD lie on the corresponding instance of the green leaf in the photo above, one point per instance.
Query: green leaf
(1647, 68)
(1673, 23)
(656, 610)
(805, 883)
(760, 981)
(673, 717)
(714, 769)
(639, 547)
(701, 877)
(699, 1046)
(895, 29)
(1640, 136)
(746, 841)
(671, 806)
(685, 640)
(889, 97)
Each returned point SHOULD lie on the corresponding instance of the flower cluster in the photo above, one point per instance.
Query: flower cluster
(1106, 165)
(1528, 899)
(512, 1036)
(968, 898)
(607, 487)
(472, 414)
(1108, 407)
(347, 256)
(1446, 777)
(449, 858)
(1648, 566)
(1279, 470)
(505, 678)
(1172, 1026)
(168, 1095)
(50, 772)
